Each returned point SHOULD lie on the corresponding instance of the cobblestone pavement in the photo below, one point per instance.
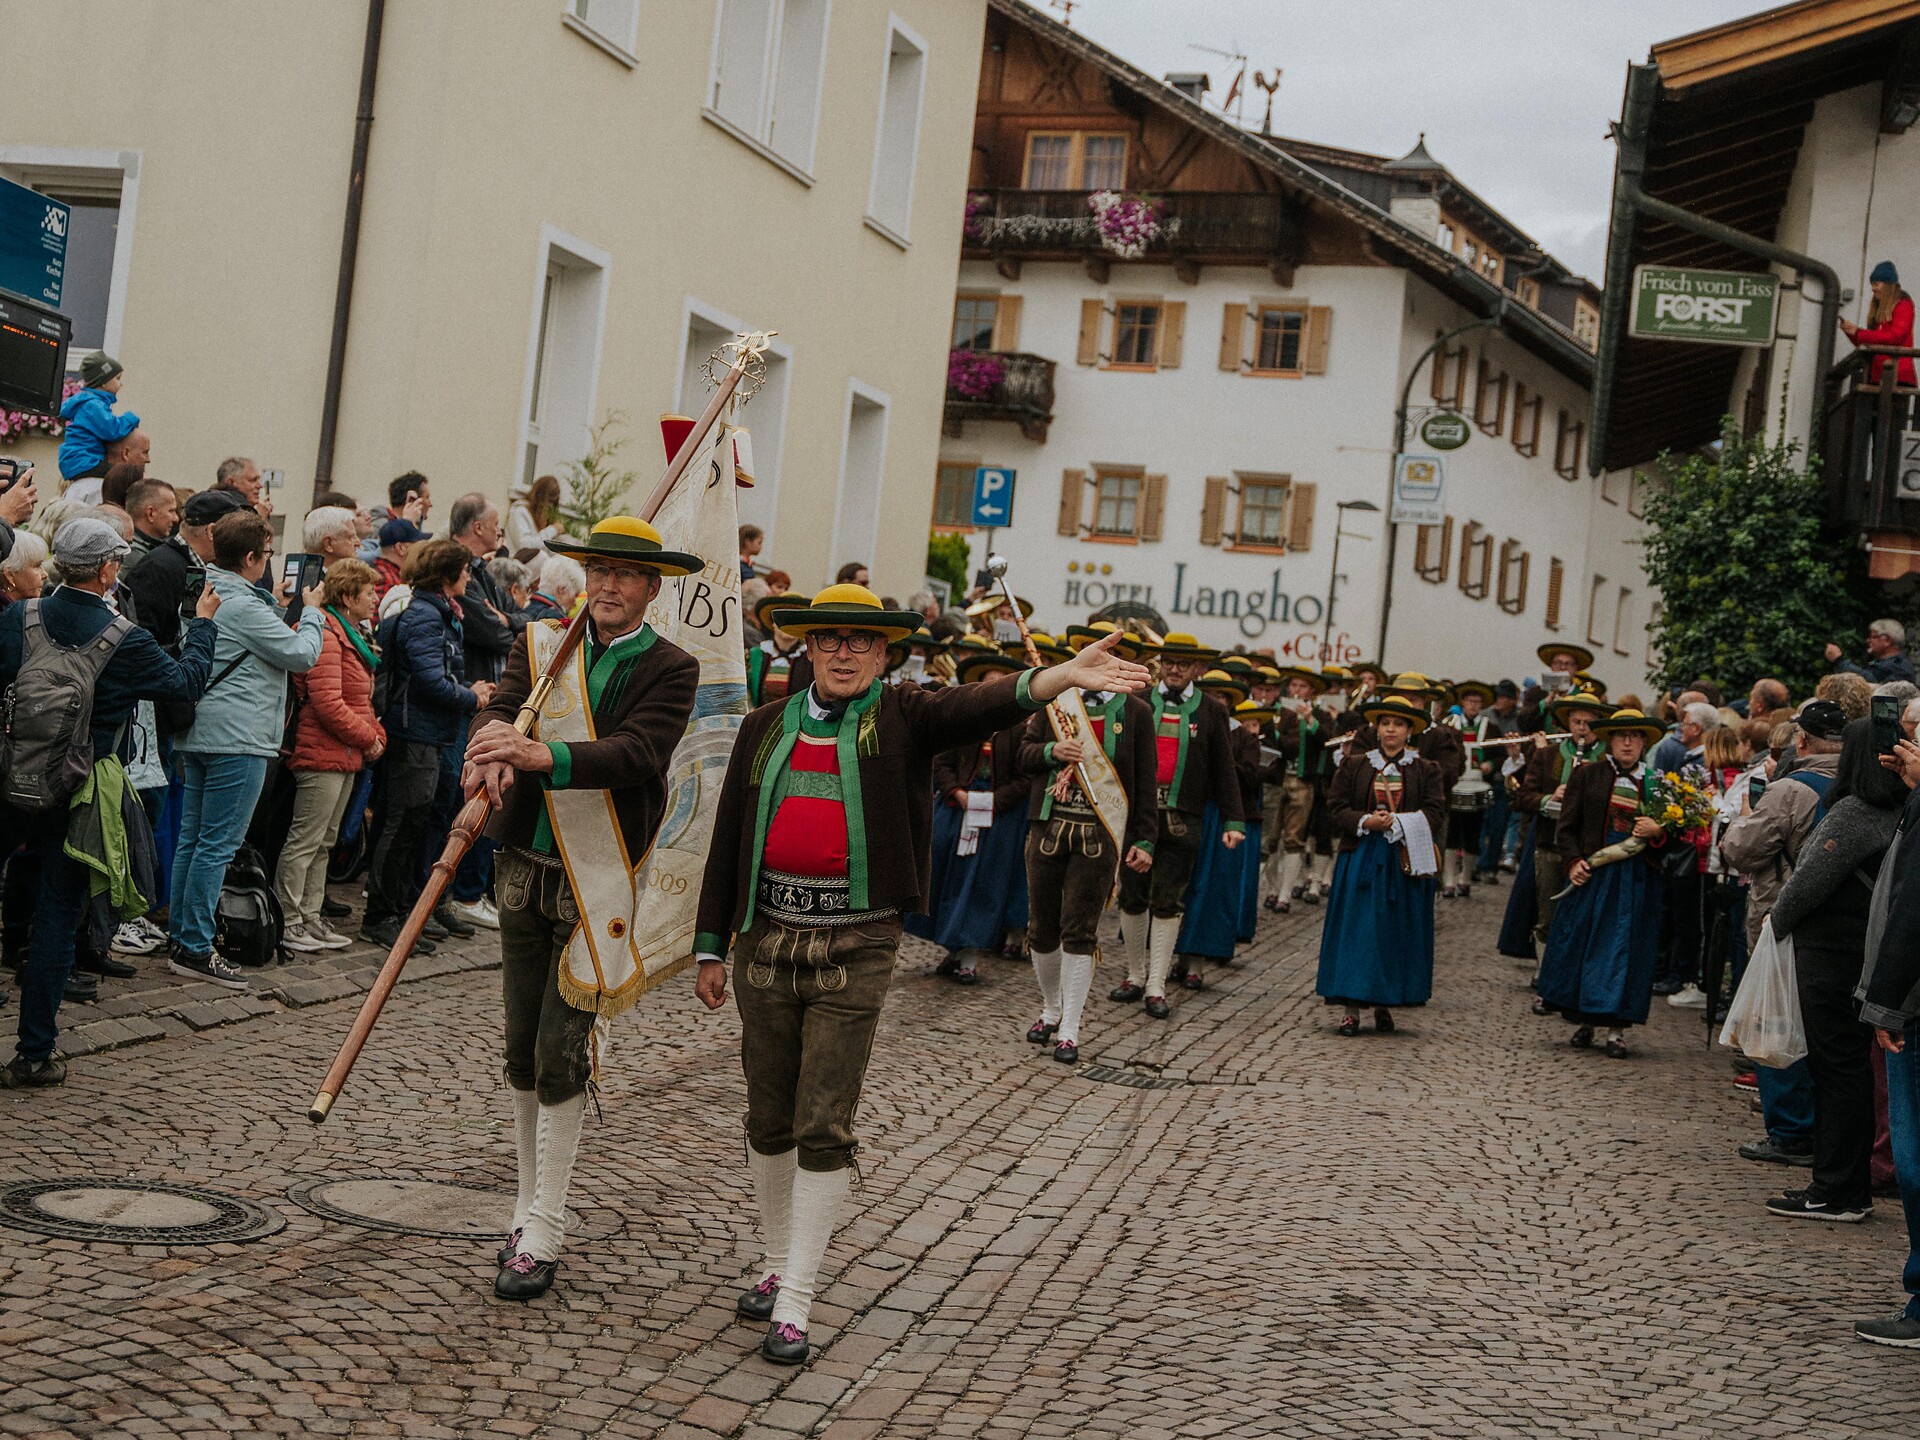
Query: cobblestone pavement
(1464, 1229)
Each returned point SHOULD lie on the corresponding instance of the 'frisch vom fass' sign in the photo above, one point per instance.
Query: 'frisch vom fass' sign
(1704, 307)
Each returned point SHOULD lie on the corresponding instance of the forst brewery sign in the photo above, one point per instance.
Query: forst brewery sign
(1704, 307)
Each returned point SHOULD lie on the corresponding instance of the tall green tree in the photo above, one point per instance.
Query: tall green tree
(1748, 586)
(947, 555)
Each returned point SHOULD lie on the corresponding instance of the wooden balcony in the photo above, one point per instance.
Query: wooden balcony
(1872, 486)
(1023, 394)
(1194, 228)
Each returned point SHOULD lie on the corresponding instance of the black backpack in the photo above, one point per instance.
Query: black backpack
(247, 923)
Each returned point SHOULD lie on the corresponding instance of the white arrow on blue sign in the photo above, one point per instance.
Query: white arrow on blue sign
(992, 496)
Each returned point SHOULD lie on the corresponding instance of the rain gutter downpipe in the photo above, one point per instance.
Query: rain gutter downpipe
(349, 251)
(1630, 201)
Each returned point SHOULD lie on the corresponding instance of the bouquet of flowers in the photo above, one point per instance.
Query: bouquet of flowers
(1678, 801)
(1127, 223)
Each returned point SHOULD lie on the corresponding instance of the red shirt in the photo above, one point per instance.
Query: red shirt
(808, 833)
(1897, 331)
(1166, 747)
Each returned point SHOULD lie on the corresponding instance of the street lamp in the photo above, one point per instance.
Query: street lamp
(1333, 580)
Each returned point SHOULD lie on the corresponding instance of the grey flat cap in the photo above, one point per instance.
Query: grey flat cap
(86, 543)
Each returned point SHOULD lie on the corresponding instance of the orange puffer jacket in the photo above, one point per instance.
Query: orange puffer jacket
(337, 724)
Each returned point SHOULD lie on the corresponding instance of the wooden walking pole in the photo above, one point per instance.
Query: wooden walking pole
(473, 815)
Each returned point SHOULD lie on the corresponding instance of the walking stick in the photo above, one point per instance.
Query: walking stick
(473, 815)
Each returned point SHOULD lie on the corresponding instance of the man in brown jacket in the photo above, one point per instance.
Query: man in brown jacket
(820, 844)
(565, 872)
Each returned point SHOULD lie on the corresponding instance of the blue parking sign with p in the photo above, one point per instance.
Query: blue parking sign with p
(992, 496)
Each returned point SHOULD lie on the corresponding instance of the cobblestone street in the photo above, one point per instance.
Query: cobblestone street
(1464, 1229)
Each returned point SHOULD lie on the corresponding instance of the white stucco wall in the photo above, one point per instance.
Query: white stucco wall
(1334, 430)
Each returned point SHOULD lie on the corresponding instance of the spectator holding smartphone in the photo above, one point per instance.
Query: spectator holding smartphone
(237, 728)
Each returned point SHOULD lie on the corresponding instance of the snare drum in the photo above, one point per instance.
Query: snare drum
(1471, 794)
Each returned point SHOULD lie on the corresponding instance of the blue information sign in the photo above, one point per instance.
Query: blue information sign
(992, 496)
(33, 243)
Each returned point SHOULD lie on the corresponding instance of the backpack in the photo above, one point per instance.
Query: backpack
(247, 921)
(46, 750)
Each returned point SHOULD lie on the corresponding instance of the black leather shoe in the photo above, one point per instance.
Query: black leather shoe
(1041, 1032)
(1382, 1020)
(1126, 994)
(1540, 1007)
(1581, 1039)
(1193, 981)
(1157, 1007)
(785, 1345)
(82, 988)
(524, 1278)
(108, 966)
(507, 1251)
(332, 909)
(444, 917)
(1067, 1053)
(757, 1303)
(434, 930)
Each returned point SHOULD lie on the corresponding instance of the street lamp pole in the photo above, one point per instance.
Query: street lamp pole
(1400, 443)
(1333, 580)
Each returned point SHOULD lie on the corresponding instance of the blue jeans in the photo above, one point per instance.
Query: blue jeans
(60, 900)
(218, 800)
(1786, 1105)
(1903, 1123)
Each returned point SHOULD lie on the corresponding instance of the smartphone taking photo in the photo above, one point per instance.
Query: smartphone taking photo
(299, 572)
(1883, 714)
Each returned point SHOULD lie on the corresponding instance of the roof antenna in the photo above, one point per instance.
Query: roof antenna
(1271, 87)
(1236, 97)
(1066, 9)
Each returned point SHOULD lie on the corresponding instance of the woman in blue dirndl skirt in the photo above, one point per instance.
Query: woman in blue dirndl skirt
(1223, 895)
(1598, 967)
(1385, 806)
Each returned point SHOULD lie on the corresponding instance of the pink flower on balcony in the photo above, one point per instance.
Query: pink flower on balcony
(974, 374)
(978, 206)
(1128, 224)
(16, 423)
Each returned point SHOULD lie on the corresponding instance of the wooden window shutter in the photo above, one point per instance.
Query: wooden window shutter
(1090, 313)
(1006, 323)
(1233, 335)
(1556, 582)
(1073, 489)
(1213, 512)
(1433, 550)
(1319, 330)
(1173, 326)
(1300, 498)
(1153, 507)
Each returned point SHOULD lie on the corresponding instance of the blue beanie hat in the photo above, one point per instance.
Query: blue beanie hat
(1885, 274)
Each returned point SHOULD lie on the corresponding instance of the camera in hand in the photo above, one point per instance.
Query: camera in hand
(299, 572)
(1883, 715)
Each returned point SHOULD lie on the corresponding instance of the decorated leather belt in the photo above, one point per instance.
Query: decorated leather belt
(812, 902)
(1075, 808)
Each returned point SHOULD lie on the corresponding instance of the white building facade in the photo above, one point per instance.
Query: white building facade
(1211, 430)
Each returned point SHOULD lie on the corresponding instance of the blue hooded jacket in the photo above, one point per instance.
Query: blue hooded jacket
(429, 701)
(91, 427)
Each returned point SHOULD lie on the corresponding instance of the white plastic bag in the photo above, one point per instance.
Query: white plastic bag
(1764, 1020)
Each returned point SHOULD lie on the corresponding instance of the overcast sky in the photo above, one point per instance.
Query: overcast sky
(1514, 97)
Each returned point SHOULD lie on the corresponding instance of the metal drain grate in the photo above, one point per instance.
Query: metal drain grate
(442, 1209)
(134, 1212)
(1113, 1075)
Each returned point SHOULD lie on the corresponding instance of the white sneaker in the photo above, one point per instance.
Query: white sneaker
(130, 939)
(480, 912)
(1692, 997)
(299, 938)
(147, 927)
(329, 938)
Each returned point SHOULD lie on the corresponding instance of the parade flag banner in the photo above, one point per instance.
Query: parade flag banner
(701, 614)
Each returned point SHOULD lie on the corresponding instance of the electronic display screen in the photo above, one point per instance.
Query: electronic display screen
(33, 356)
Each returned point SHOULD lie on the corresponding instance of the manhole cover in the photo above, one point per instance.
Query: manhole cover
(447, 1209)
(1113, 1075)
(134, 1212)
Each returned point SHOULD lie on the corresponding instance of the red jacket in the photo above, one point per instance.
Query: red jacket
(1897, 331)
(337, 725)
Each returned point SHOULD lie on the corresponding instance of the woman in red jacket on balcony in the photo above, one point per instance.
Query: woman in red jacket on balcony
(337, 733)
(1889, 322)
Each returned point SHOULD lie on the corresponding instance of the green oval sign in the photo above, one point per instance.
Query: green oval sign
(1445, 430)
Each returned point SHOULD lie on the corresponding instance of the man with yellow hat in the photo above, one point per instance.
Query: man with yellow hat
(570, 797)
(820, 846)
(1542, 788)
(1299, 732)
(1194, 766)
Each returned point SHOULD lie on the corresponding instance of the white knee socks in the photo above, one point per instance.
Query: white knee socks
(1165, 930)
(1133, 945)
(1076, 979)
(773, 1189)
(526, 1151)
(1289, 876)
(1046, 971)
(558, 1141)
(817, 1197)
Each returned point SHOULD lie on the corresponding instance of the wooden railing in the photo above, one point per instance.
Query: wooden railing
(1871, 484)
(1024, 395)
(1062, 222)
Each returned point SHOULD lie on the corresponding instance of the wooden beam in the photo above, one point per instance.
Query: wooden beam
(1772, 35)
(1282, 273)
(1099, 267)
(1187, 268)
(1008, 266)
